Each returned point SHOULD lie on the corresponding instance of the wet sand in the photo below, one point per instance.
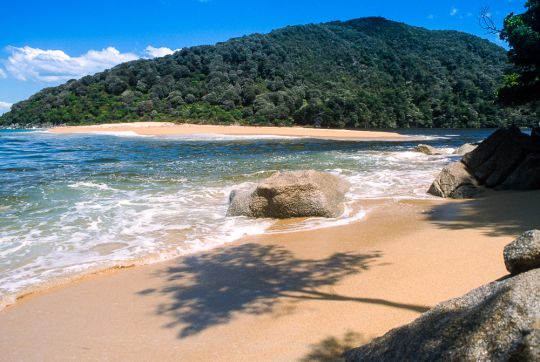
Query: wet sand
(171, 129)
(279, 297)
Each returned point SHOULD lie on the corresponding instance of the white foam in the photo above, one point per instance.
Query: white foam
(154, 223)
(225, 137)
(92, 185)
(118, 133)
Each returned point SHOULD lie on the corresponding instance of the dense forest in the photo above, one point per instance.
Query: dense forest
(367, 72)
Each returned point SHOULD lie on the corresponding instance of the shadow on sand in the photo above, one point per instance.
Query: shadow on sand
(206, 289)
(499, 214)
(331, 349)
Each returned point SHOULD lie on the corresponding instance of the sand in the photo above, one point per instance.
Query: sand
(280, 297)
(171, 129)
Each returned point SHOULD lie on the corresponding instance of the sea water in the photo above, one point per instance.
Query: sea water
(73, 204)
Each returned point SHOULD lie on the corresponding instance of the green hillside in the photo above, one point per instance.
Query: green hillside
(367, 72)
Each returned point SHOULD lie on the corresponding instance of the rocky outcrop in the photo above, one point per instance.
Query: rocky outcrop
(498, 156)
(508, 159)
(523, 253)
(465, 148)
(428, 150)
(292, 194)
(496, 322)
(455, 181)
(526, 175)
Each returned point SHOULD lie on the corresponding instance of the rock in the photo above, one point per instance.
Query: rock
(292, 194)
(495, 158)
(508, 159)
(466, 148)
(523, 253)
(455, 181)
(428, 150)
(535, 135)
(528, 348)
(526, 176)
(486, 149)
(489, 323)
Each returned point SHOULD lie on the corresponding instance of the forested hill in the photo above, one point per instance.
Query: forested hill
(367, 72)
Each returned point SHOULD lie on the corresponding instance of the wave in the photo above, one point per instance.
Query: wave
(91, 185)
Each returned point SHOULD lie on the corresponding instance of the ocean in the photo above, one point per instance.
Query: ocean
(76, 204)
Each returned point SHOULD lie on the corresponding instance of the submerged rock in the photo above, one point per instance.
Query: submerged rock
(455, 181)
(523, 253)
(496, 322)
(465, 148)
(292, 194)
(428, 150)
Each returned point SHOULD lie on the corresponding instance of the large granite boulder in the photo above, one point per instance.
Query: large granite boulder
(501, 153)
(526, 176)
(465, 148)
(455, 181)
(496, 322)
(508, 159)
(523, 253)
(292, 194)
(428, 150)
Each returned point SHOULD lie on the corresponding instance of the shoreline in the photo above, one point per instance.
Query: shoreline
(278, 226)
(172, 129)
(436, 248)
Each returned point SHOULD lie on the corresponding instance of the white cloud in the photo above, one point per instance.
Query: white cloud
(454, 11)
(50, 65)
(29, 63)
(5, 106)
(159, 52)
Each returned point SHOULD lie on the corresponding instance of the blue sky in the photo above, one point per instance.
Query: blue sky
(44, 43)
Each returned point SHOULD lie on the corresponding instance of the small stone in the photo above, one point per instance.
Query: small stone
(466, 148)
(428, 150)
(523, 253)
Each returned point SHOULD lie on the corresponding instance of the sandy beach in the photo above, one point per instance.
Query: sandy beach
(292, 296)
(172, 129)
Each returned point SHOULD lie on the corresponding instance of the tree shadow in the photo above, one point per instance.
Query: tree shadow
(331, 349)
(504, 214)
(207, 289)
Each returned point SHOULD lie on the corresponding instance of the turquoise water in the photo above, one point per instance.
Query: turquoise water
(72, 204)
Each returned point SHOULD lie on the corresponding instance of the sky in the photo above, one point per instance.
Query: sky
(45, 43)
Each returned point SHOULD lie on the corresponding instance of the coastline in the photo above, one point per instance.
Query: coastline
(248, 299)
(172, 129)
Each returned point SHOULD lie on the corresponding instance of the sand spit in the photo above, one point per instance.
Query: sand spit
(171, 129)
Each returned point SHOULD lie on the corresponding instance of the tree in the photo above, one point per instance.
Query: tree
(522, 32)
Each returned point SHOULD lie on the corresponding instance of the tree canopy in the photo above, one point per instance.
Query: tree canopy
(522, 32)
(367, 72)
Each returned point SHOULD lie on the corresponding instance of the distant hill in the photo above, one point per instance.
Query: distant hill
(368, 72)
